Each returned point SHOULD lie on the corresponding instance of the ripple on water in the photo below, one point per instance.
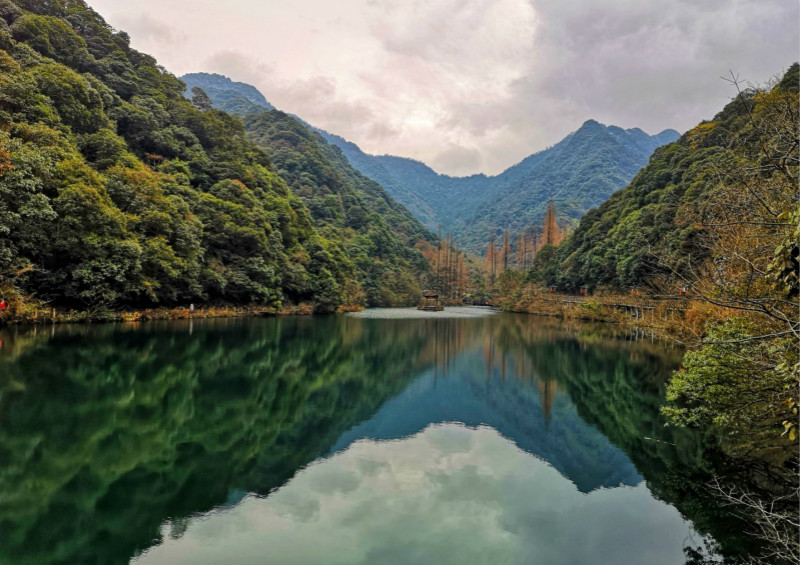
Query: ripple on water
(413, 313)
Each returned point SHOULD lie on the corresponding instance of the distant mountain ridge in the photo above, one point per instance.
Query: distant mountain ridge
(579, 173)
(228, 95)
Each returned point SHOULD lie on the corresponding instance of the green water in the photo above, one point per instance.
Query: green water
(507, 439)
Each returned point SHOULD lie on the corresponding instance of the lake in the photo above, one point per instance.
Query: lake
(500, 438)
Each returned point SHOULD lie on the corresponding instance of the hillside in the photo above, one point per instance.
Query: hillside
(377, 232)
(115, 190)
(579, 173)
(657, 226)
(372, 167)
(227, 95)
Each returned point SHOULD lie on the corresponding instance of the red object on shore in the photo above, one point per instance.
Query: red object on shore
(2, 305)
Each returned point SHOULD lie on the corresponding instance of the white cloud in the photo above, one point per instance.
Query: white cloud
(147, 28)
(472, 85)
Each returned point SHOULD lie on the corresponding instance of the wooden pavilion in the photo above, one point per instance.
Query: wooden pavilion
(430, 301)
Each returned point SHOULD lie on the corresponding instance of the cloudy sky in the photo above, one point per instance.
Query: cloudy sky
(472, 85)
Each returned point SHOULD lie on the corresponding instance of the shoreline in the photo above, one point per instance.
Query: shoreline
(678, 319)
(52, 316)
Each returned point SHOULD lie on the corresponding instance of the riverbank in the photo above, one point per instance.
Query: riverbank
(40, 315)
(680, 317)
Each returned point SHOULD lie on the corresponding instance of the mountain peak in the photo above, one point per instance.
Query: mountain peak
(669, 132)
(229, 95)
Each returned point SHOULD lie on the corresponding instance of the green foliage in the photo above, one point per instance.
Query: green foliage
(579, 172)
(784, 269)
(118, 190)
(654, 227)
(77, 102)
(376, 234)
(52, 37)
(544, 268)
(734, 380)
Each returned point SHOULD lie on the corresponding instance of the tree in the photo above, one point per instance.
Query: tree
(550, 233)
(491, 258)
(745, 374)
(200, 99)
(505, 251)
(748, 233)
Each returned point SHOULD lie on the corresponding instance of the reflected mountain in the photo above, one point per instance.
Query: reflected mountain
(448, 495)
(108, 432)
(537, 419)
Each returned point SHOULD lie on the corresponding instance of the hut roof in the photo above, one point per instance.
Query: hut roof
(430, 294)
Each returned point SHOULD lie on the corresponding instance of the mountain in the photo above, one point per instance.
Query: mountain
(229, 96)
(117, 191)
(728, 168)
(579, 173)
(377, 233)
(371, 167)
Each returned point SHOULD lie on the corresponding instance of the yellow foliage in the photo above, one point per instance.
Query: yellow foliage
(699, 133)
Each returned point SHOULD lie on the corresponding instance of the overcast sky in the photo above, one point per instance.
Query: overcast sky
(472, 85)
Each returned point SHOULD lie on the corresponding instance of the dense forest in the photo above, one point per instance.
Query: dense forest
(377, 233)
(739, 169)
(116, 190)
(656, 226)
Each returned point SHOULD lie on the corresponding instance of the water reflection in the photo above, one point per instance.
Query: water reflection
(113, 438)
(450, 495)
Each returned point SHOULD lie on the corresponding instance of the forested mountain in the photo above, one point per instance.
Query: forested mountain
(372, 167)
(117, 190)
(579, 173)
(377, 232)
(659, 225)
(232, 97)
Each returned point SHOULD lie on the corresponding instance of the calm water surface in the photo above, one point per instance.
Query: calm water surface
(502, 439)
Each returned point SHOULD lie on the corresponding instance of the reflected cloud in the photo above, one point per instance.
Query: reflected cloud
(486, 501)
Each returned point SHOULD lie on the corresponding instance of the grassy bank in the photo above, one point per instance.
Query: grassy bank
(37, 314)
(677, 317)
